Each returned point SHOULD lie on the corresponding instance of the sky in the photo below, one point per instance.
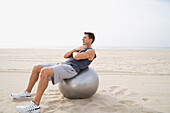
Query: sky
(56, 23)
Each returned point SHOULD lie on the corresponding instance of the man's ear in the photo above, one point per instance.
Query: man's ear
(91, 40)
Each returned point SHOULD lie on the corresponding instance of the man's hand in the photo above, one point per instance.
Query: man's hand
(89, 54)
(69, 53)
(80, 48)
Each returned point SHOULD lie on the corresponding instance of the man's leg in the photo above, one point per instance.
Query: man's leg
(43, 83)
(34, 77)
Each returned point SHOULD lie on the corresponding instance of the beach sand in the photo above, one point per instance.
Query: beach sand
(131, 81)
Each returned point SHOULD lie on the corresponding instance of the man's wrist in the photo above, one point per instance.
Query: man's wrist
(74, 50)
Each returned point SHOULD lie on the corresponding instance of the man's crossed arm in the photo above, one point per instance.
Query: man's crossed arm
(89, 54)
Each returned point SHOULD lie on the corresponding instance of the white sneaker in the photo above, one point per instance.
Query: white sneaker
(21, 95)
(30, 107)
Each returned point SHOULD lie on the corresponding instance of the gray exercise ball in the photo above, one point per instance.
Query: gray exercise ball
(83, 85)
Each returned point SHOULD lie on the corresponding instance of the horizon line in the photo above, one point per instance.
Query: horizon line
(95, 47)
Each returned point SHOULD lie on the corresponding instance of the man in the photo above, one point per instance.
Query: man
(79, 59)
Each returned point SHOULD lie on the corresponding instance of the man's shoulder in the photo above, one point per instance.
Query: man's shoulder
(91, 50)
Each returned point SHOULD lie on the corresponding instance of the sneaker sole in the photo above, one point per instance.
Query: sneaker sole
(22, 97)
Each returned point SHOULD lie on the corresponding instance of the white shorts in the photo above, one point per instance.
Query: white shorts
(61, 71)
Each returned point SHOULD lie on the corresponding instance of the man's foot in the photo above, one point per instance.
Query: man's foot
(30, 107)
(21, 95)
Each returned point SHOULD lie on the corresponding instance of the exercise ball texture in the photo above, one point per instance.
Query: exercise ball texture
(83, 85)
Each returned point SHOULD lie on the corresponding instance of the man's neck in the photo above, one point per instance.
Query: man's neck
(87, 46)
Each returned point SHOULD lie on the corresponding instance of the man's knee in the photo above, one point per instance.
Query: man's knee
(46, 71)
(37, 68)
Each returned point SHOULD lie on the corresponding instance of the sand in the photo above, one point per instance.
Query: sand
(131, 81)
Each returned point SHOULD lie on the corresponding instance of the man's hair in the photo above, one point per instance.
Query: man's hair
(91, 36)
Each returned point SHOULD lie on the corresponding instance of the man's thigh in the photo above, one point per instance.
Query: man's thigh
(64, 71)
(48, 70)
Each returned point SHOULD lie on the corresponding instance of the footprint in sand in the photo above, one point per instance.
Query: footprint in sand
(102, 91)
(127, 102)
(110, 90)
(121, 92)
(120, 107)
(114, 87)
(145, 99)
(131, 94)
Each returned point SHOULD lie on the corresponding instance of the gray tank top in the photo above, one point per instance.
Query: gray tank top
(79, 65)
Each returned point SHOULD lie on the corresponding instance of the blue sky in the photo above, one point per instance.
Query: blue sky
(54, 23)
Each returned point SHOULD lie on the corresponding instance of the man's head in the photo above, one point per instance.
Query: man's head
(88, 38)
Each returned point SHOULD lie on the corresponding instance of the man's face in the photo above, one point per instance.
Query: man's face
(86, 39)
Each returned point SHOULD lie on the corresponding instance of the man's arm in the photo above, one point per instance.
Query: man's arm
(69, 53)
(89, 54)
